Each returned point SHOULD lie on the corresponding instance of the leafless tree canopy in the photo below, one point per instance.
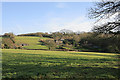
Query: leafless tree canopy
(104, 10)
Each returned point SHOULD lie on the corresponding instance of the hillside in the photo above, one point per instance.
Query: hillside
(32, 42)
(63, 42)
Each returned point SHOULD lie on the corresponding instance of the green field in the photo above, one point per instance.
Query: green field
(32, 41)
(59, 64)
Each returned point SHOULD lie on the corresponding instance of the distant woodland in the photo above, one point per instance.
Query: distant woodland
(67, 40)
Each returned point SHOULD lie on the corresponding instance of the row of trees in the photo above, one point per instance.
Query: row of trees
(38, 34)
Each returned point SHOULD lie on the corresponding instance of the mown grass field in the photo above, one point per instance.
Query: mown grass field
(32, 41)
(59, 64)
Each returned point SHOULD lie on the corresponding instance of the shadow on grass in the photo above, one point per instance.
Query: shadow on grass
(57, 71)
(40, 68)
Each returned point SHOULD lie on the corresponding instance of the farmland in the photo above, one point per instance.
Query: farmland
(32, 41)
(35, 60)
(59, 64)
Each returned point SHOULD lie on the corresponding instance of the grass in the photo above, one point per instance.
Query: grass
(32, 41)
(59, 64)
(36, 47)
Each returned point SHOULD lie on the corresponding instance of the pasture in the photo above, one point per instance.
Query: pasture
(59, 64)
(32, 41)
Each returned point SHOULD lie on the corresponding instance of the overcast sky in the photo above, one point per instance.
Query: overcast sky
(27, 17)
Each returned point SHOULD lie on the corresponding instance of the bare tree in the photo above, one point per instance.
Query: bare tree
(104, 10)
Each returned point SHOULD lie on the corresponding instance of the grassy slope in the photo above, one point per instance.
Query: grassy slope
(32, 41)
(59, 64)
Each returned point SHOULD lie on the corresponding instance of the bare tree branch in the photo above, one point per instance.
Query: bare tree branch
(104, 10)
